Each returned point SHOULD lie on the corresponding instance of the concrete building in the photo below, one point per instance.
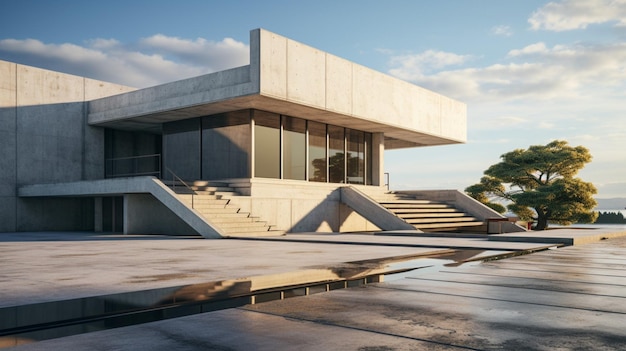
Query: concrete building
(292, 142)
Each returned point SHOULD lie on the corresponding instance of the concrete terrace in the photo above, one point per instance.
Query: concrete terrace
(439, 293)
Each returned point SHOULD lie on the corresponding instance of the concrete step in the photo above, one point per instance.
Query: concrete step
(238, 225)
(226, 220)
(443, 211)
(229, 217)
(431, 215)
(205, 210)
(253, 234)
(447, 225)
(201, 197)
(390, 205)
(212, 200)
(445, 220)
(407, 201)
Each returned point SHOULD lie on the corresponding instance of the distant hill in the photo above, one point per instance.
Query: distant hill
(618, 203)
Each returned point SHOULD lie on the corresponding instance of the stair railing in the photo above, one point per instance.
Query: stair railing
(176, 179)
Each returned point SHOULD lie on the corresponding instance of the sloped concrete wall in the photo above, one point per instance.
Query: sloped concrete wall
(44, 139)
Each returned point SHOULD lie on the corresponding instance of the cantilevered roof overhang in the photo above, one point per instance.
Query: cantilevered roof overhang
(290, 78)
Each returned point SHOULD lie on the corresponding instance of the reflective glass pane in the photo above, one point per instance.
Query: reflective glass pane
(356, 157)
(266, 145)
(336, 154)
(294, 148)
(317, 152)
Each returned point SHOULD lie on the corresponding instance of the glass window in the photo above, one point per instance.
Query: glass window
(356, 156)
(226, 145)
(294, 148)
(266, 144)
(317, 152)
(336, 154)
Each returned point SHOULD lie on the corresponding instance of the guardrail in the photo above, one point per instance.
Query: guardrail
(176, 179)
(133, 166)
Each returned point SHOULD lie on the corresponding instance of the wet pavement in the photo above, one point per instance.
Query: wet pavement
(567, 298)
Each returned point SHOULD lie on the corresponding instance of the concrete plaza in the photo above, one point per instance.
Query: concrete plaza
(558, 298)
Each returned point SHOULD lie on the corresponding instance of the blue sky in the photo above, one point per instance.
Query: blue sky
(530, 71)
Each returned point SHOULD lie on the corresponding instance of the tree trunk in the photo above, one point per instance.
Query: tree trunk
(542, 221)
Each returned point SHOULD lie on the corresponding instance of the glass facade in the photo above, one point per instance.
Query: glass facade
(254, 143)
(266, 145)
(317, 152)
(355, 142)
(294, 148)
(336, 152)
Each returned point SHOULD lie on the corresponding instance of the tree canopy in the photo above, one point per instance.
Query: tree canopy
(539, 184)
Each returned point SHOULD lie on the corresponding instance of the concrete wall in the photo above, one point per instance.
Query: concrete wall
(298, 206)
(144, 214)
(295, 72)
(44, 138)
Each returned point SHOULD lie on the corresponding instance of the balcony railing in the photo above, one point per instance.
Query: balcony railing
(134, 166)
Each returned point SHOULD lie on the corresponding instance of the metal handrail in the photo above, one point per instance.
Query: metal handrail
(176, 178)
(387, 178)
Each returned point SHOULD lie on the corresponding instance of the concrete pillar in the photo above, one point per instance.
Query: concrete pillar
(127, 215)
(378, 154)
(97, 215)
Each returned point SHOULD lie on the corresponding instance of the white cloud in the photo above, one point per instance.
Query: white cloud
(414, 66)
(154, 60)
(578, 14)
(504, 31)
(535, 71)
(536, 48)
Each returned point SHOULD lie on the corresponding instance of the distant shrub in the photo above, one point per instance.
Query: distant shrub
(610, 218)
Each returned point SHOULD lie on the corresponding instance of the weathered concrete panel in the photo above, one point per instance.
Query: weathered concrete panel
(7, 138)
(273, 60)
(50, 143)
(95, 89)
(306, 74)
(7, 163)
(41, 214)
(315, 216)
(450, 124)
(326, 82)
(143, 214)
(8, 82)
(339, 85)
(44, 139)
(350, 221)
(7, 214)
(38, 86)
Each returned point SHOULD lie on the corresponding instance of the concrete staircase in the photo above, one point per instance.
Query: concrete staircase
(430, 216)
(213, 200)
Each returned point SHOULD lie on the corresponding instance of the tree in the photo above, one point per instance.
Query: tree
(539, 184)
